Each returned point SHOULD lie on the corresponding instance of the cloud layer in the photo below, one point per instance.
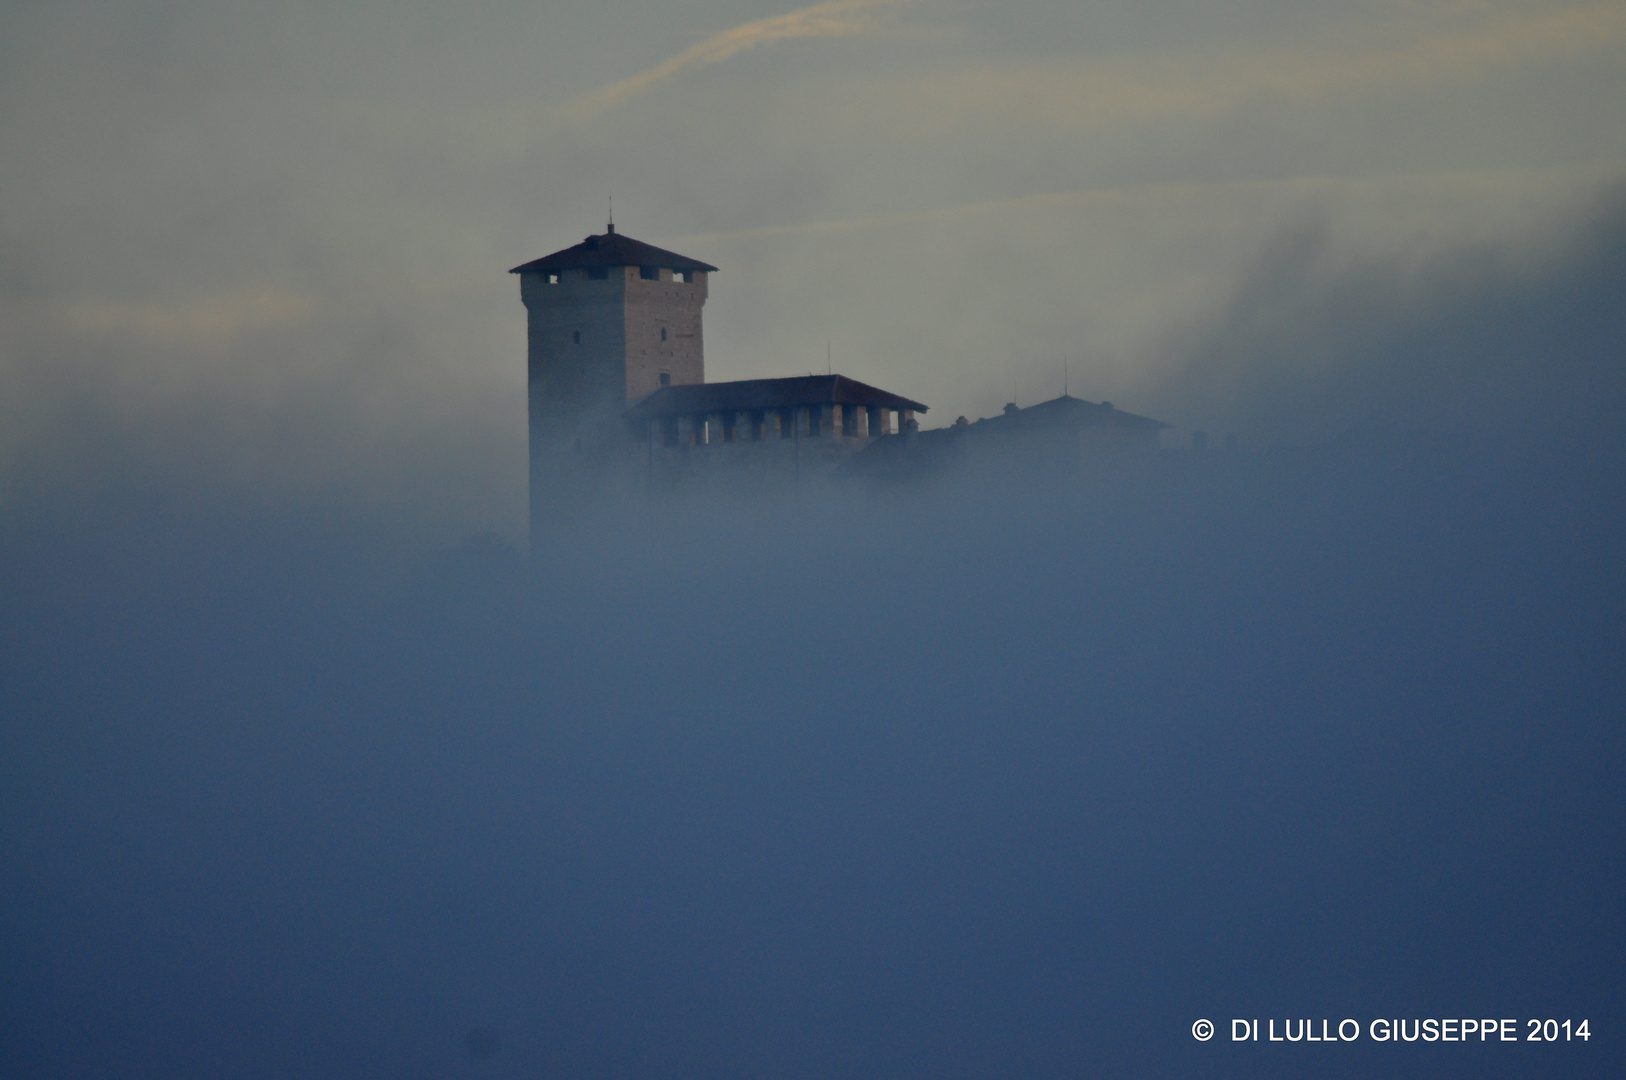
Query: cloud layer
(836, 19)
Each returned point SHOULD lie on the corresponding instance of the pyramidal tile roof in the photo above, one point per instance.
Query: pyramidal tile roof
(607, 249)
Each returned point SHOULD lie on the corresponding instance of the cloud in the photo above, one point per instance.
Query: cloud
(1463, 187)
(1484, 340)
(213, 321)
(1124, 88)
(839, 18)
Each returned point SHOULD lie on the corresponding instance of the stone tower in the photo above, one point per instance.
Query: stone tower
(610, 321)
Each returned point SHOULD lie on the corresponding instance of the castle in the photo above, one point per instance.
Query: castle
(618, 397)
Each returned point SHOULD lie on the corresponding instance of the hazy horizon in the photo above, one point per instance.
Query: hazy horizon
(269, 246)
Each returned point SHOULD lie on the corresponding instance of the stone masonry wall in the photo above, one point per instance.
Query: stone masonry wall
(595, 345)
(673, 306)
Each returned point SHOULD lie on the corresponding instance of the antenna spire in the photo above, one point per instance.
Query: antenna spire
(611, 226)
(827, 368)
(1064, 377)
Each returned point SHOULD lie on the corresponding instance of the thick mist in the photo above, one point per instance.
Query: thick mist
(1013, 775)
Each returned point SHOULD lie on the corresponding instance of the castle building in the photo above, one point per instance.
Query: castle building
(763, 432)
(617, 387)
(609, 321)
(1056, 437)
(619, 403)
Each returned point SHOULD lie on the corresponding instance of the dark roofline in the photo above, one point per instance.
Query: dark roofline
(608, 249)
(767, 394)
(1067, 409)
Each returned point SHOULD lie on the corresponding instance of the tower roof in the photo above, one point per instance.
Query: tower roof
(607, 249)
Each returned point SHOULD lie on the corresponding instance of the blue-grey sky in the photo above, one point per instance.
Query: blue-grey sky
(268, 242)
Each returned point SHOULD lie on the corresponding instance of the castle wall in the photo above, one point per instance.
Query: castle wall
(669, 305)
(703, 459)
(594, 346)
(576, 338)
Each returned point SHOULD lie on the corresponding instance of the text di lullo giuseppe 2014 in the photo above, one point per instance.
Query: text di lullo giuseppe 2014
(1429, 1030)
